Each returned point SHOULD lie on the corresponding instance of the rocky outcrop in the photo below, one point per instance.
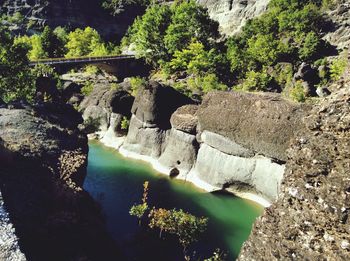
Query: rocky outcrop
(230, 141)
(150, 122)
(233, 14)
(339, 34)
(43, 159)
(261, 123)
(310, 221)
(72, 14)
(105, 108)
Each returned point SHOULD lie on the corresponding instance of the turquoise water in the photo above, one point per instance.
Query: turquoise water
(117, 183)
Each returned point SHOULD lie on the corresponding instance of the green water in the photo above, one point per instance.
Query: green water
(116, 183)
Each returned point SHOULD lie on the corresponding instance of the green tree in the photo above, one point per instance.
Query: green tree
(84, 43)
(189, 20)
(16, 79)
(185, 226)
(52, 44)
(147, 34)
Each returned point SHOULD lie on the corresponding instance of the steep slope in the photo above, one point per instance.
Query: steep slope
(310, 221)
(233, 14)
(71, 13)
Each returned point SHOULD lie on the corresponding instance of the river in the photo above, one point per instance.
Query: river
(116, 183)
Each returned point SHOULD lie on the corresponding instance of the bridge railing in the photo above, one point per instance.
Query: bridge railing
(81, 59)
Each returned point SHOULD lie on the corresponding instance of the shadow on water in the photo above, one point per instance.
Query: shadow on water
(116, 183)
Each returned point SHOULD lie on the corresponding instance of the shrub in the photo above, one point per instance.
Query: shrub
(256, 81)
(125, 123)
(337, 68)
(91, 69)
(136, 83)
(87, 88)
(297, 93)
(207, 83)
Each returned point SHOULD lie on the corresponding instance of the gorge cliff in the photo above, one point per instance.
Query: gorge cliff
(43, 159)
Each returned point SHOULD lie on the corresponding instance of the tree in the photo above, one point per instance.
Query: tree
(85, 42)
(52, 44)
(185, 226)
(189, 20)
(16, 79)
(139, 210)
(147, 34)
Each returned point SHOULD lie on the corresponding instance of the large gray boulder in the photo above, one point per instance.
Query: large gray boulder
(150, 123)
(102, 105)
(261, 123)
(155, 103)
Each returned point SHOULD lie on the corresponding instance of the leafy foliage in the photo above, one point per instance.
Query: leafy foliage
(85, 42)
(337, 68)
(16, 78)
(139, 210)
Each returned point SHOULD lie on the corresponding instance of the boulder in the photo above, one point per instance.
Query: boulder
(102, 103)
(261, 123)
(185, 119)
(155, 103)
(69, 90)
(43, 165)
(180, 151)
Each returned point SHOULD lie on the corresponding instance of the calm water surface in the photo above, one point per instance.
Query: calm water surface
(117, 183)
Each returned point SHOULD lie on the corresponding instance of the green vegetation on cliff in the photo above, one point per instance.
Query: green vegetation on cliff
(16, 78)
(183, 43)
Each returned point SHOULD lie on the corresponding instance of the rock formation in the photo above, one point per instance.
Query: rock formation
(310, 221)
(230, 141)
(150, 121)
(43, 159)
(233, 14)
(71, 13)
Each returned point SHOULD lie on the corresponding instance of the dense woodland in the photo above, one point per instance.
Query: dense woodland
(186, 50)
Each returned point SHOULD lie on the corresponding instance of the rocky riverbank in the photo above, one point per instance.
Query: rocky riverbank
(215, 145)
(310, 220)
(43, 158)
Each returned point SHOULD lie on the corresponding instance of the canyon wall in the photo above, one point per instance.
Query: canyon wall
(71, 14)
(233, 14)
(234, 141)
(43, 159)
(310, 220)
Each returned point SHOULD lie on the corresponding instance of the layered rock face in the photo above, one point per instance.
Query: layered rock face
(339, 35)
(233, 14)
(71, 13)
(150, 121)
(244, 138)
(310, 221)
(104, 111)
(230, 141)
(43, 159)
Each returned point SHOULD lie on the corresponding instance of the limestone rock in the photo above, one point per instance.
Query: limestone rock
(311, 221)
(155, 103)
(43, 159)
(185, 119)
(232, 15)
(261, 123)
(180, 151)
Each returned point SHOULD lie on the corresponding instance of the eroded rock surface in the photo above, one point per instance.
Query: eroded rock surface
(43, 159)
(233, 14)
(310, 221)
